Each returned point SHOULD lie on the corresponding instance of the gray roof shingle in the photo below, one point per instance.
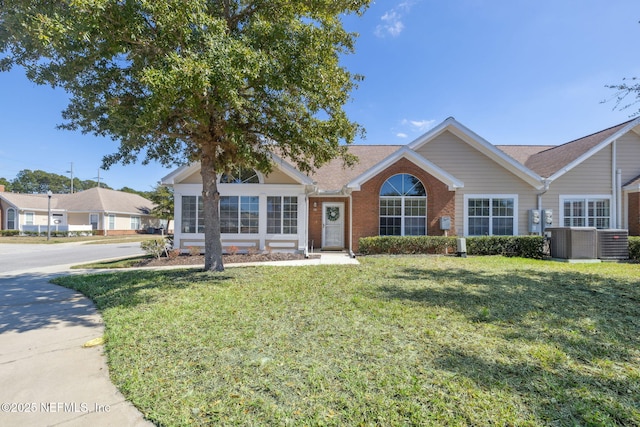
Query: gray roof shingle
(550, 161)
(334, 175)
(92, 200)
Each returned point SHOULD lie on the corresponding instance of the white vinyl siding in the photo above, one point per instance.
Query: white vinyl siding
(628, 153)
(593, 174)
(480, 175)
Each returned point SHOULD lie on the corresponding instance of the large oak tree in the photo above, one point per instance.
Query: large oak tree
(222, 82)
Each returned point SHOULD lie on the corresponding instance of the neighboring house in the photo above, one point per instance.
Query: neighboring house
(449, 181)
(109, 212)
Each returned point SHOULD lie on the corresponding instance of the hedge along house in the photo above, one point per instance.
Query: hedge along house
(449, 181)
(97, 210)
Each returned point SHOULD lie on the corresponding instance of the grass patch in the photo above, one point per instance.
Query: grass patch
(86, 239)
(395, 341)
(118, 263)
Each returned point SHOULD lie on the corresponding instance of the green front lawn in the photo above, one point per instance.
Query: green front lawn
(394, 341)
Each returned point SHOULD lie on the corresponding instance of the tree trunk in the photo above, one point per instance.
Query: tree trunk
(211, 201)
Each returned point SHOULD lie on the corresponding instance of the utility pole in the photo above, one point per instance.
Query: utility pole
(71, 172)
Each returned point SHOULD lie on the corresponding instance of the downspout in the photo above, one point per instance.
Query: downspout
(619, 198)
(614, 183)
(546, 188)
(306, 228)
(351, 254)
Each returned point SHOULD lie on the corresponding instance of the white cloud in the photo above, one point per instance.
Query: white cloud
(402, 135)
(392, 24)
(418, 125)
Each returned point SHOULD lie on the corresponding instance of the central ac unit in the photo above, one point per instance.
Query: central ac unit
(613, 244)
(573, 242)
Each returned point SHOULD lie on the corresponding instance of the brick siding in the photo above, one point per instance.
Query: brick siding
(440, 202)
(634, 214)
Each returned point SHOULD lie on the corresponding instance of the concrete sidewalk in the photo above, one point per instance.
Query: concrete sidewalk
(48, 377)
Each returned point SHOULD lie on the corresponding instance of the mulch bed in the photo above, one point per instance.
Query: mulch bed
(186, 259)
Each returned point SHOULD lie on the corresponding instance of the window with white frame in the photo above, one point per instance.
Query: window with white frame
(240, 176)
(93, 220)
(282, 215)
(135, 223)
(111, 221)
(29, 218)
(581, 211)
(403, 206)
(491, 215)
(192, 214)
(11, 219)
(239, 214)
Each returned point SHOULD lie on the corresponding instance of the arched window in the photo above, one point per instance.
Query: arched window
(240, 176)
(11, 219)
(403, 206)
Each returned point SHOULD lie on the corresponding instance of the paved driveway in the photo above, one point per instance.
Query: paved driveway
(47, 376)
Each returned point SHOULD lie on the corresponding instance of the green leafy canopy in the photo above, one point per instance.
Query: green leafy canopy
(180, 79)
(224, 82)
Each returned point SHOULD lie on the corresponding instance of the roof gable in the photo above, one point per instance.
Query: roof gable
(185, 171)
(481, 145)
(411, 155)
(555, 162)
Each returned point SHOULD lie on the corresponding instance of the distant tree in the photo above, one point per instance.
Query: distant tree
(162, 197)
(89, 183)
(144, 194)
(39, 182)
(6, 183)
(222, 82)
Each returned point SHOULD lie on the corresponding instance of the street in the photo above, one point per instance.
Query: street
(18, 258)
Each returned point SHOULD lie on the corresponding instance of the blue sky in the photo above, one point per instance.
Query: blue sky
(513, 71)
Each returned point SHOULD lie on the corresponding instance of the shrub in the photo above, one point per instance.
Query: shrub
(194, 250)
(522, 246)
(634, 248)
(154, 247)
(9, 232)
(406, 245)
(232, 250)
(173, 253)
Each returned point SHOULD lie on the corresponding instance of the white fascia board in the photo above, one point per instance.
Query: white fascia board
(411, 155)
(595, 149)
(633, 188)
(187, 170)
(432, 133)
(180, 173)
(483, 146)
(291, 171)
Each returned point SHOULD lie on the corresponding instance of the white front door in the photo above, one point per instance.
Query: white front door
(333, 225)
